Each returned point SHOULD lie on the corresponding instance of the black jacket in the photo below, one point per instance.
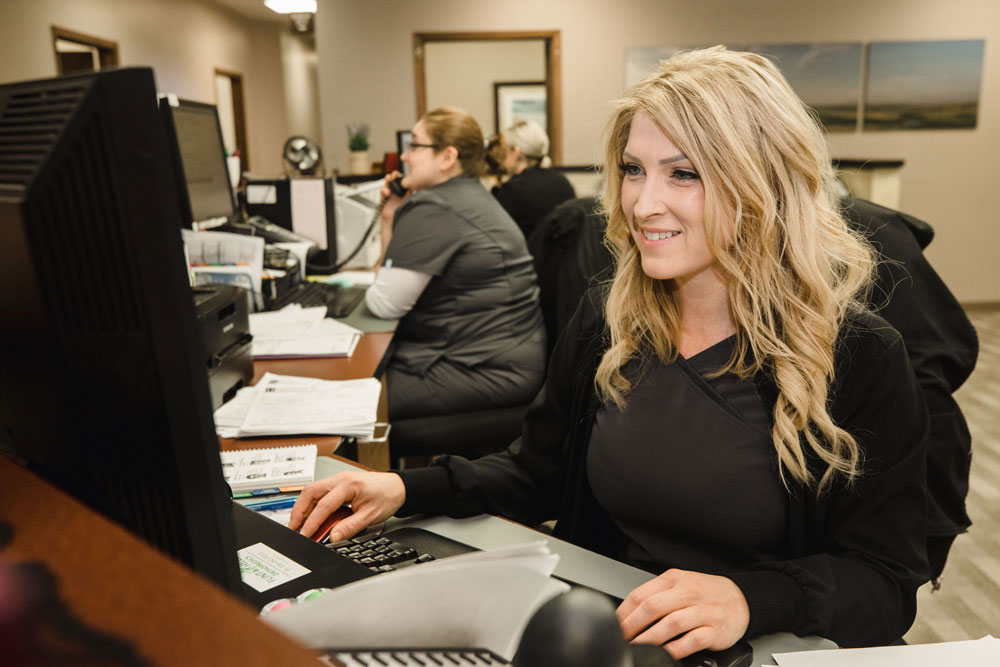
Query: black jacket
(857, 555)
(943, 347)
(530, 195)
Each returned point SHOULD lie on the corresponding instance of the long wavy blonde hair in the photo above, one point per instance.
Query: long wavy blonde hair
(794, 269)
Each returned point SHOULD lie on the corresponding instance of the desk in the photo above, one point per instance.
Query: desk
(576, 564)
(117, 584)
(366, 358)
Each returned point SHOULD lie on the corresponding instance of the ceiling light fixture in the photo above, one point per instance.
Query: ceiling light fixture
(291, 6)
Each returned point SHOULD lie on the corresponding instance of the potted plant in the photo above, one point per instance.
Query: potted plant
(357, 144)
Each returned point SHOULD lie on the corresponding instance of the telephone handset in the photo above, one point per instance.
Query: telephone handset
(396, 186)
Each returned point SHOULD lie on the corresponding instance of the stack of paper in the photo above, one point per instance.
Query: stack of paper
(481, 599)
(275, 467)
(295, 331)
(287, 405)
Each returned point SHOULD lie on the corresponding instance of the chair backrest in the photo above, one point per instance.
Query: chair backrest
(942, 345)
(569, 255)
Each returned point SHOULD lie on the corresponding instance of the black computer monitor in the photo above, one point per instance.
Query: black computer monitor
(204, 189)
(103, 389)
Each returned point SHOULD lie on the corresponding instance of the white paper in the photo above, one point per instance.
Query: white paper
(985, 651)
(292, 320)
(231, 259)
(281, 516)
(476, 599)
(281, 409)
(294, 331)
(262, 568)
(262, 194)
(315, 346)
(289, 405)
(308, 205)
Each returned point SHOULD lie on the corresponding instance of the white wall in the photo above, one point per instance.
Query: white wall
(301, 85)
(366, 72)
(183, 40)
(462, 73)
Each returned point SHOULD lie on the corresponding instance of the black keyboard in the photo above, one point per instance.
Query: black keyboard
(398, 548)
(340, 301)
(422, 657)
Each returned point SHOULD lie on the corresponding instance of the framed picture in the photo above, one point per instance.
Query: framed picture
(923, 85)
(519, 100)
(403, 139)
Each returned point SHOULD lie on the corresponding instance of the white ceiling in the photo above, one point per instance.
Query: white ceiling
(253, 9)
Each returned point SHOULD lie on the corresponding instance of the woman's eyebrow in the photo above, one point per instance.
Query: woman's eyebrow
(676, 158)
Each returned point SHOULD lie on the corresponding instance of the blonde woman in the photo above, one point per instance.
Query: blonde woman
(533, 189)
(725, 414)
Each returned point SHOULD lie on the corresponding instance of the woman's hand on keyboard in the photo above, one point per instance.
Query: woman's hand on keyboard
(374, 497)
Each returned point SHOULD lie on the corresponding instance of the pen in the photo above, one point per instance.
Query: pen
(273, 491)
(283, 504)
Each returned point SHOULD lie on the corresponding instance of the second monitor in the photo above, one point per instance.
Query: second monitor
(206, 192)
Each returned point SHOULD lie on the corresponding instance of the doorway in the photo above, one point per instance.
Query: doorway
(544, 88)
(77, 52)
(232, 116)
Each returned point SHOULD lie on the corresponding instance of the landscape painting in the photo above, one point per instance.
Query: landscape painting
(923, 85)
(826, 76)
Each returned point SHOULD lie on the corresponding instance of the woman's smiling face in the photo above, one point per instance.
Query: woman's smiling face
(663, 199)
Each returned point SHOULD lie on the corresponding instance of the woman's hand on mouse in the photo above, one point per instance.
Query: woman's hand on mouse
(685, 612)
(374, 497)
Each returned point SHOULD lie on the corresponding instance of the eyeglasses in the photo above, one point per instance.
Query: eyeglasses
(414, 144)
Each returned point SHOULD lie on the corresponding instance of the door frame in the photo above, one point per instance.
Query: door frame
(553, 72)
(239, 115)
(107, 50)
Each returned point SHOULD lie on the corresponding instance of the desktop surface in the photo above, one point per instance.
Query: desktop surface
(116, 585)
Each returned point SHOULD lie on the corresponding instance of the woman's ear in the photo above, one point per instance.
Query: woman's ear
(449, 158)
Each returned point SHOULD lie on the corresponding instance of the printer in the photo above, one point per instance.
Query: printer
(221, 313)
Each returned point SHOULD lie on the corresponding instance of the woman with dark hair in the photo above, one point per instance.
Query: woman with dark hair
(457, 273)
(726, 413)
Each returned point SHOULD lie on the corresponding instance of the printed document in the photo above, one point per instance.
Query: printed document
(288, 405)
(481, 599)
(295, 331)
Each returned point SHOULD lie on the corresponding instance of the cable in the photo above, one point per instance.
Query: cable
(334, 268)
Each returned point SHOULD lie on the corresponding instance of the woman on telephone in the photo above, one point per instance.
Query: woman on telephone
(456, 271)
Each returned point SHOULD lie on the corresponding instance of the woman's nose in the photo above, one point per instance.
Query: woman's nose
(651, 201)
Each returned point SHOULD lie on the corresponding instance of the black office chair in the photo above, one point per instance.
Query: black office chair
(471, 434)
(569, 256)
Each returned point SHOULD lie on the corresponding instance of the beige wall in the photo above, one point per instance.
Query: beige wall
(462, 73)
(301, 85)
(366, 72)
(183, 40)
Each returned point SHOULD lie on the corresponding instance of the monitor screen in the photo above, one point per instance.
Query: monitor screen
(206, 192)
(103, 386)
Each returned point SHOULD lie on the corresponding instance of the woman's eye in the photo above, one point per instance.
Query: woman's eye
(631, 169)
(685, 175)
